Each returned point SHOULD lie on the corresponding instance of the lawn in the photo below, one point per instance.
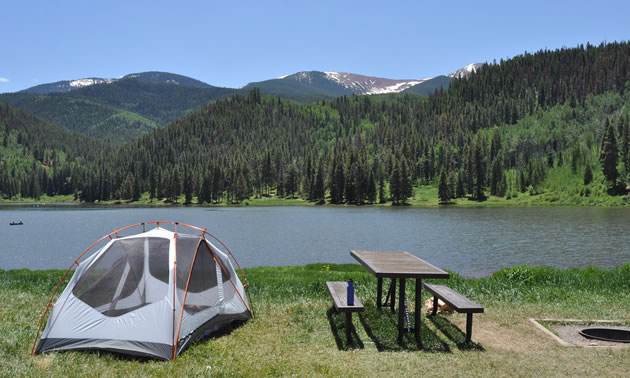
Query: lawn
(297, 332)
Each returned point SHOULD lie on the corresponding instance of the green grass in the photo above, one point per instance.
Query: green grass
(296, 331)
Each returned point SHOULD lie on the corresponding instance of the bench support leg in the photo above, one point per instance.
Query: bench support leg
(418, 309)
(349, 327)
(401, 311)
(435, 305)
(469, 317)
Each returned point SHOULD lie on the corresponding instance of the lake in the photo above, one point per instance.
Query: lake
(472, 241)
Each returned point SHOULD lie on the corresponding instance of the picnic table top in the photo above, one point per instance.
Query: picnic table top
(399, 264)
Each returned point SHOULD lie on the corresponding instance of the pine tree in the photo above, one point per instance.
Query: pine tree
(608, 155)
(337, 182)
(625, 142)
(381, 188)
(459, 186)
(406, 189)
(479, 172)
(395, 190)
(188, 187)
(444, 194)
(588, 173)
(371, 189)
(318, 186)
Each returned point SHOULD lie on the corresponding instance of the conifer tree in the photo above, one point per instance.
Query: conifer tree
(588, 173)
(395, 190)
(318, 186)
(188, 187)
(459, 186)
(371, 189)
(479, 172)
(381, 188)
(406, 189)
(608, 155)
(444, 194)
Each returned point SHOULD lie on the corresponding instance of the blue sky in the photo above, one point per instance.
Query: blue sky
(231, 43)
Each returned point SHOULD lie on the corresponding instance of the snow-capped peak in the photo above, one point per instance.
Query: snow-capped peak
(466, 71)
(370, 85)
(87, 82)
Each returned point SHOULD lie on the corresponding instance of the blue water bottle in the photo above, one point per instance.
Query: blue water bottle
(350, 293)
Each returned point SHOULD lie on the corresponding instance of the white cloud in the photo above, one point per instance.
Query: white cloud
(4, 80)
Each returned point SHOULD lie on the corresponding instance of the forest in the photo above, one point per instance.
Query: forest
(516, 126)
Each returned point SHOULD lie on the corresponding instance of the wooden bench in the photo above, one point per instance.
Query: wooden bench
(457, 301)
(338, 292)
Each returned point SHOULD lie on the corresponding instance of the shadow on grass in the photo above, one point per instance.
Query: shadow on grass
(381, 327)
(453, 333)
(337, 321)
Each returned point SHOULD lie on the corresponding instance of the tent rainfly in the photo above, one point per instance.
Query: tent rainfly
(149, 294)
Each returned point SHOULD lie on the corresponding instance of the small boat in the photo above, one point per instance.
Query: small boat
(18, 223)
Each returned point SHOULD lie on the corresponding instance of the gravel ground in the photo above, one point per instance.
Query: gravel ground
(570, 334)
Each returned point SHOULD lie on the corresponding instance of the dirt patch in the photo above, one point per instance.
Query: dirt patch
(571, 334)
(43, 362)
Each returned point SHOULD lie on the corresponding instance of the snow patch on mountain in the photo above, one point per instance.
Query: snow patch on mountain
(87, 82)
(466, 71)
(370, 85)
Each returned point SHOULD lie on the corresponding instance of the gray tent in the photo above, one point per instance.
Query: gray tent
(149, 294)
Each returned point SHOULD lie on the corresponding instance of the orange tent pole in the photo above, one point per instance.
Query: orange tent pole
(192, 265)
(174, 290)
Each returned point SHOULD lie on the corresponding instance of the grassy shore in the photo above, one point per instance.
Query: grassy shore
(296, 331)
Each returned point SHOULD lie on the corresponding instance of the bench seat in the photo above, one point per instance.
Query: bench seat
(457, 301)
(338, 292)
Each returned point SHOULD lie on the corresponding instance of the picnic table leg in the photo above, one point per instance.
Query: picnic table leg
(379, 293)
(348, 327)
(468, 327)
(418, 310)
(392, 298)
(401, 311)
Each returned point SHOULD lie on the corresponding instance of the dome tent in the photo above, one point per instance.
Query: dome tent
(149, 294)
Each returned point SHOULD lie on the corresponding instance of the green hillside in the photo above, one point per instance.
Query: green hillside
(120, 111)
(548, 127)
(37, 157)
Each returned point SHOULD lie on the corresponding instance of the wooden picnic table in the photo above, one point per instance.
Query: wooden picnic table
(399, 265)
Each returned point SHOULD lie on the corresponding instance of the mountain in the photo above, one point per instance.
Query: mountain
(360, 84)
(525, 128)
(465, 71)
(167, 78)
(530, 137)
(65, 85)
(313, 85)
(429, 86)
(117, 110)
(120, 110)
(330, 84)
(154, 77)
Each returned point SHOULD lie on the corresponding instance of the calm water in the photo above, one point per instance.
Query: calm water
(473, 242)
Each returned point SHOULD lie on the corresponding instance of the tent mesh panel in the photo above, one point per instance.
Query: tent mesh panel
(203, 280)
(118, 282)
